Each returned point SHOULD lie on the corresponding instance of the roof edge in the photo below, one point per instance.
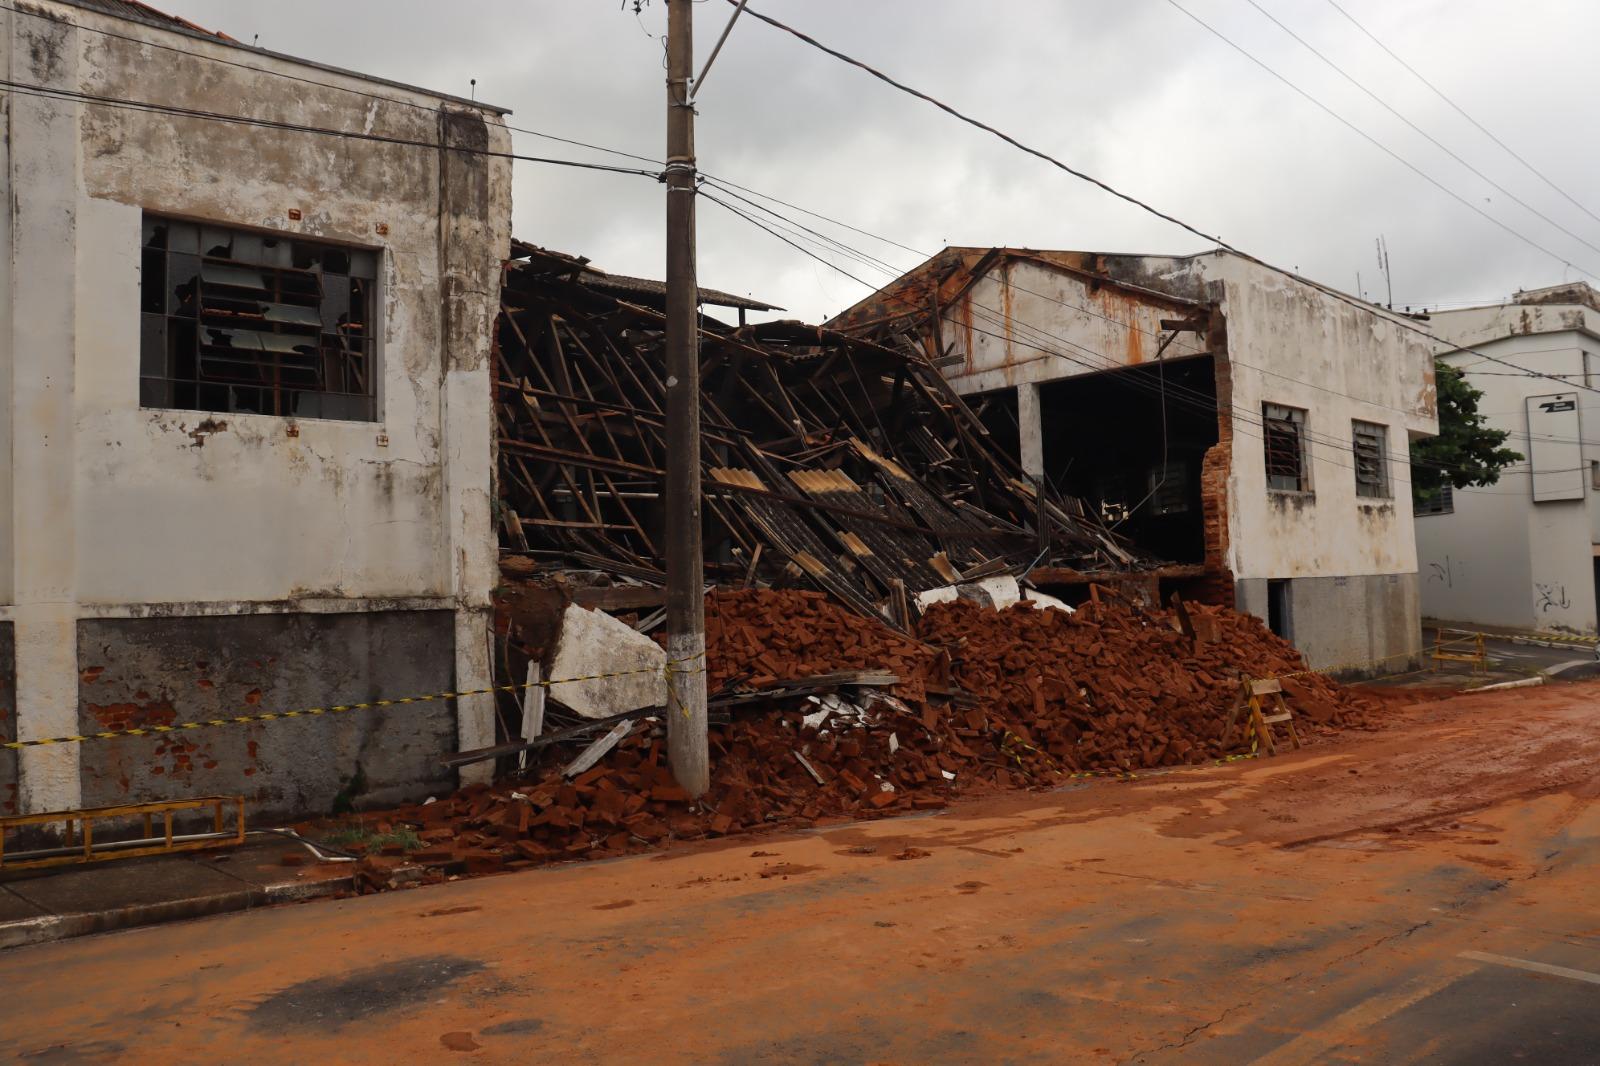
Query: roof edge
(185, 29)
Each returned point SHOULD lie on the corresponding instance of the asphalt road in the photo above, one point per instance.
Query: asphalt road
(1426, 893)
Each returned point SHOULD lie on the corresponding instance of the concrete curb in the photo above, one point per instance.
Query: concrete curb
(1586, 643)
(50, 927)
(1527, 682)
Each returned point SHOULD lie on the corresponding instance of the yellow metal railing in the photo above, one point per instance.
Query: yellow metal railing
(81, 845)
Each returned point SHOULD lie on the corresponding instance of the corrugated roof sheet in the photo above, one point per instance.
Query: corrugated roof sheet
(622, 284)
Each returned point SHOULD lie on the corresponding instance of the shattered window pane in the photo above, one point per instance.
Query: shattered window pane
(245, 321)
(1284, 434)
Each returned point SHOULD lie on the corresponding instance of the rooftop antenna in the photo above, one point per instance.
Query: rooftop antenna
(1383, 268)
(255, 41)
(474, 90)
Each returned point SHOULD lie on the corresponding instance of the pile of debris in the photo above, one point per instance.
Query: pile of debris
(820, 713)
(1116, 687)
(828, 462)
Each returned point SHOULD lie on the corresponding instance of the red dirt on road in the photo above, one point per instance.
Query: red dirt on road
(1306, 909)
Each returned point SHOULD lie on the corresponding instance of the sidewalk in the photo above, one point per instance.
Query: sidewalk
(1511, 633)
(1513, 656)
(52, 904)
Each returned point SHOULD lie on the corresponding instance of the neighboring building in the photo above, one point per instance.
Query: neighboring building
(1245, 424)
(248, 454)
(1524, 552)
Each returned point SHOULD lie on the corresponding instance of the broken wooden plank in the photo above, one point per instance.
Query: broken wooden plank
(619, 598)
(597, 751)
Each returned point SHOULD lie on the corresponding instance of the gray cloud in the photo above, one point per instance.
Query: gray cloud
(1133, 92)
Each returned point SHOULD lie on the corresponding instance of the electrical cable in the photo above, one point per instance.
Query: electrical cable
(1364, 135)
(1396, 320)
(1461, 111)
(50, 93)
(1430, 137)
(1338, 448)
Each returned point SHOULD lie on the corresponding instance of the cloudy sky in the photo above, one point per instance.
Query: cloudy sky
(1134, 92)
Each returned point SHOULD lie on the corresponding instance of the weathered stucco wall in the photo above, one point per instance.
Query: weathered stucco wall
(1500, 558)
(1289, 343)
(116, 510)
(1000, 325)
(153, 671)
(1350, 626)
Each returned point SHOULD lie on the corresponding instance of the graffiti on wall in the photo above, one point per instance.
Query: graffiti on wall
(1552, 596)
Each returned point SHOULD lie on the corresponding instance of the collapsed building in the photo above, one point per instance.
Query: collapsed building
(830, 461)
(1250, 426)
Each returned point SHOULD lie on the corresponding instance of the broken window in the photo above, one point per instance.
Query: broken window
(1368, 440)
(1441, 500)
(242, 321)
(1284, 432)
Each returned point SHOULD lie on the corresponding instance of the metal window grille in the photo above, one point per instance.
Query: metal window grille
(240, 321)
(1284, 431)
(1372, 466)
(1441, 500)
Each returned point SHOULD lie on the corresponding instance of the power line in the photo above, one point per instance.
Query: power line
(230, 62)
(1193, 397)
(1394, 320)
(1430, 137)
(894, 271)
(1200, 401)
(52, 93)
(1461, 111)
(1364, 135)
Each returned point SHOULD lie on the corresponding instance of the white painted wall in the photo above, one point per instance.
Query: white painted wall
(1287, 343)
(1500, 558)
(113, 507)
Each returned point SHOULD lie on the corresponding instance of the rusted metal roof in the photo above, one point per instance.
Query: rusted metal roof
(942, 280)
(622, 284)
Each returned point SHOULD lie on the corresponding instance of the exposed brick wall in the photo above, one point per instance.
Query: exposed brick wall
(1217, 585)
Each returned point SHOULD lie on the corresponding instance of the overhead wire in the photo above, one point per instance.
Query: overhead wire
(1440, 93)
(1391, 317)
(1337, 447)
(50, 92)
(1347, 76)
(1364, 135)
(53, 93)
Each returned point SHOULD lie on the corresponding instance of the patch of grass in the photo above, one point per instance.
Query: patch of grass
(359, 838)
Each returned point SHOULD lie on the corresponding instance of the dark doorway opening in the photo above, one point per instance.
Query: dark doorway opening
(1279, 617)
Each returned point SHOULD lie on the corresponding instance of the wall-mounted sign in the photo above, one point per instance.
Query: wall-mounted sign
(1555, 447)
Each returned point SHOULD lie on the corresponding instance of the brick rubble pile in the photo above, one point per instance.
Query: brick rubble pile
(986, 700)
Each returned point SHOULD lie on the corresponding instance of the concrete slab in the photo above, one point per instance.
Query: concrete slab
(13, 908)
(261, 864)
(37, 906)
(112, 886)
(629, 667)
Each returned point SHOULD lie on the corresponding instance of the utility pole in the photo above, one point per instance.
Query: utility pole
(686, 607)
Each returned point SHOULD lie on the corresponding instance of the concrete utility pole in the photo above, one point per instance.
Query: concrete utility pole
(686, 609)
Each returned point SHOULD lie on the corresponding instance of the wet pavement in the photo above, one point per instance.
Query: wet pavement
(1423, 893)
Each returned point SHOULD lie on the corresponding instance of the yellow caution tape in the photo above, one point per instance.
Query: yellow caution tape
(273, 716)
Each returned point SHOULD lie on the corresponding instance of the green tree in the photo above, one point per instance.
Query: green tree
(1466, 452)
